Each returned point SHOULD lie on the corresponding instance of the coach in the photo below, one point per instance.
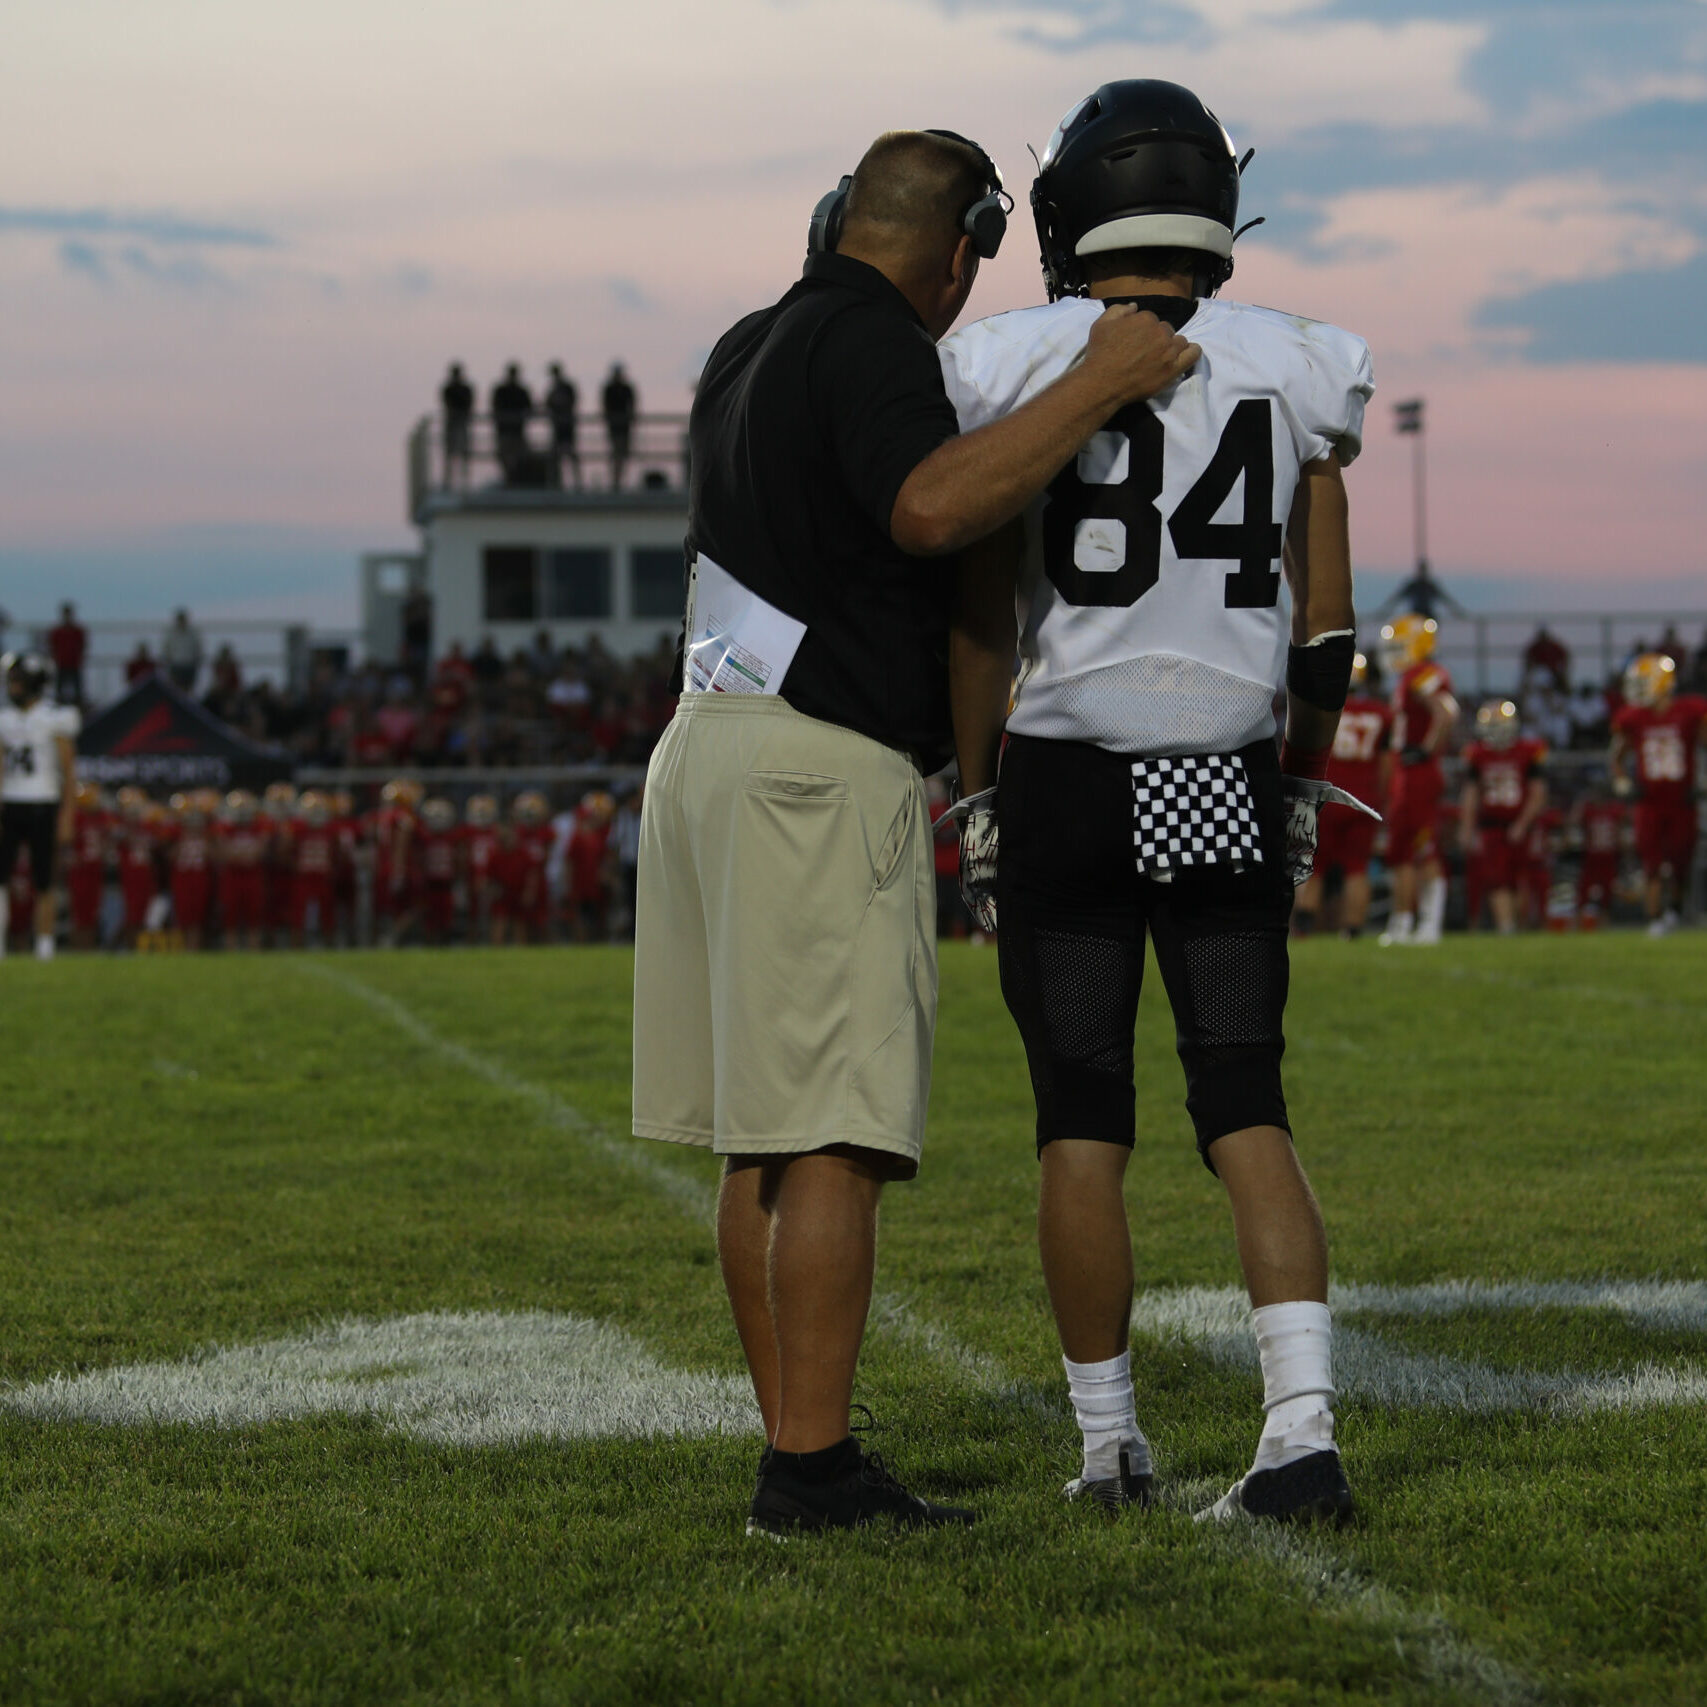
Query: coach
(785, 958)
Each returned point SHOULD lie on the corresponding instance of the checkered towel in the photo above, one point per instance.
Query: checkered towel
(1195, 810)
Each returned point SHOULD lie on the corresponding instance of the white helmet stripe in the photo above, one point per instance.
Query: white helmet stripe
(1157, 231)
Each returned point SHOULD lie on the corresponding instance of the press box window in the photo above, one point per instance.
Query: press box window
(657, 584)
(578, 583)
(508, 573)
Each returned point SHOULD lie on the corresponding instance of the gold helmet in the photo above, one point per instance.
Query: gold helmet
(438, 814)
(1407, 640)
(343, 803)
(530, 807)
(482, 809)
(279, 798)
(178, 805)
(314, 807)
(598, 804)
(132, 800)
(1650, 680)
(88, 797)
(240, 806)
(402, 791)
(1497, 723)
(1359, 670)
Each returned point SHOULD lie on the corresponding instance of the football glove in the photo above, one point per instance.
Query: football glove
(1409, 757)
(976, 816)
(1305, 799)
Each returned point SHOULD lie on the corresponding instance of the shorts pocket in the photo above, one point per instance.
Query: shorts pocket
(805, 786)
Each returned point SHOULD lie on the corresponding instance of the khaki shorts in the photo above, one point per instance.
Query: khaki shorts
(785, 937)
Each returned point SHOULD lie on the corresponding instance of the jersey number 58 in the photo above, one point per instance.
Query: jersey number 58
(1254, 542)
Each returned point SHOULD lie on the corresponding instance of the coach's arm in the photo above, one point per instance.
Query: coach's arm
(972, 484)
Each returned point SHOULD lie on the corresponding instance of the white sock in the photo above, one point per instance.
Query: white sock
(44, 946)
(1107, 1410)
(1295, 1343)
(1402, 924)
(1432, 912)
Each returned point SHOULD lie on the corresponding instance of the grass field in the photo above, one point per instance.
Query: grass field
(332, 1295)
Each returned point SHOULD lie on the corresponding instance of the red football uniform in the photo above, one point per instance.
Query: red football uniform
(1502, 776)
(586, 852)
(312, 852)
(242, 876)
(139, 876)
(1412, 818)
(479, 845)
(86, 868)
(190, 857)
(1346, 838)
(436, 860)
(1603, 839)
(392, 829)
(1663, 740)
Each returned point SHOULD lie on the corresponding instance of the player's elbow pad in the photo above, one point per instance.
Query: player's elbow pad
(1319, 672)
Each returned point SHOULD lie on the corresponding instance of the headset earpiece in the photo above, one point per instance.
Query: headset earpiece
(825, 230)
(986, 221)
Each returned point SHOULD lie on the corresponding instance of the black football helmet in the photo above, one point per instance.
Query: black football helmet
(27, 676)
(1141, 164)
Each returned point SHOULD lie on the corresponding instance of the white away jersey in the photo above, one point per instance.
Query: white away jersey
(1149, 606)
(27, 749)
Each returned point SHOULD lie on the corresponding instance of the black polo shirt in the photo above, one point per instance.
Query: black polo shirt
(807, 421)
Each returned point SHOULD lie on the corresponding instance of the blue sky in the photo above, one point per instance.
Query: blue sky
(241, 244)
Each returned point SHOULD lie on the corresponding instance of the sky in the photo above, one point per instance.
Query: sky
(238, 244)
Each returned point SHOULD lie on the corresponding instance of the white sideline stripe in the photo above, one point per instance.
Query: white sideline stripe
(891, 1314)
(1216, 1321)
(467, 1378)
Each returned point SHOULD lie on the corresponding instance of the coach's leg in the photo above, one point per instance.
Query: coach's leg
(823, 1252)
(1086, 1245)
(1277, 1223)
(744, 1207)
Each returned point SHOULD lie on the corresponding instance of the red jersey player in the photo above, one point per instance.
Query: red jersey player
(139, 847)
(1659, 732)
(522, 908)
(1505, 790)
(310, 851)
(479, 847)
(189, 858)
(241, 847)
(1361, 764)
(276, 817)
(86, 864)
(1599, 824)
(1424, 712)
(589, 875)
(392, 831)
(437, 851)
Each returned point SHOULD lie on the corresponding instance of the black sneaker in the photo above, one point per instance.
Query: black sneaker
(1114, 1494)
(784, 1505)
(1311, 1489)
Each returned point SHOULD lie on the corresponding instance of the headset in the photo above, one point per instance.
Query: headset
(985, 221)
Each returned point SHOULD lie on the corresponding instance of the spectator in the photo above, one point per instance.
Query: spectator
(488, 669)
(417, 634)
(512, 405)
(453, 679)
(227, 672)
(562, 402)
(140, 665)
(1672, 646)
(181, 651)
(543, 658)
(620, 404)
(456, 399)
(1589, 727)
(68, 643)
(1546, 659)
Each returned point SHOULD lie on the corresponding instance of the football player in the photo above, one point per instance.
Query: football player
(1598, 824)
(437, 850)
(1655, 742)
(240, 847)
(140, 834)
(38, 790)
(188, 843)
(588, 862)
(86, 864)
(1362, 764)
(1505, 791)
(1425, 713)
(479, 845)
(309, 853)
(276, 820)
(1151, 636)
(392, 831)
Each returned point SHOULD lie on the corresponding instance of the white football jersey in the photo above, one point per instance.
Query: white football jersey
(27, 749)
(1149, 607)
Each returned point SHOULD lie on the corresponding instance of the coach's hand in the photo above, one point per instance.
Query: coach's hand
(1305, 798)
(1136, 354)
(977, 816)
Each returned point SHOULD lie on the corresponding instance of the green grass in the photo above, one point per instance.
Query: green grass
(231, 1150)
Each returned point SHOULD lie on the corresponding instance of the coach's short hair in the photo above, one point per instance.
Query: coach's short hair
(910, 182)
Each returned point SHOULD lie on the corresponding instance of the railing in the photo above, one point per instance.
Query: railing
(280, 653)
(535, 454)
(1484, 650)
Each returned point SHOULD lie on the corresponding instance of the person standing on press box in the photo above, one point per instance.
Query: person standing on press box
(785, 970)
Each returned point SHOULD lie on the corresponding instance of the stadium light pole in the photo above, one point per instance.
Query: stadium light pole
(1421, 593)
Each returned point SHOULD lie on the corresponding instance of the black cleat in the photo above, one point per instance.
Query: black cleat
(1311, 1489)
(784, 1506)
(1114, 1494)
